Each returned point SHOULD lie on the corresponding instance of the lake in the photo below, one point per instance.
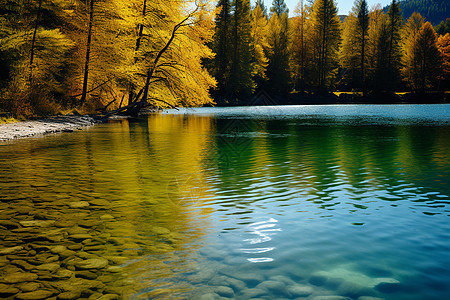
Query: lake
(276, 202)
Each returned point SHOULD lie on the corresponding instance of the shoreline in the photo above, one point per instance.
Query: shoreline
(54, 124)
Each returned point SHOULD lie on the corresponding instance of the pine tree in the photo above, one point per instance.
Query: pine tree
(427, 56)
(241, 71)
(376, 23)
(278, 68)
(444, 50)
(326, 41)
(388, 70)
(260, 45)
(279, 7)
(300, 50)
(361, 10)
(410, 68)
(261, 5)
(222, 45)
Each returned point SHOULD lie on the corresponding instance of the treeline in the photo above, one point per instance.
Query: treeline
(313, 51)
(57, 54)
(434, 11)
(114, 54)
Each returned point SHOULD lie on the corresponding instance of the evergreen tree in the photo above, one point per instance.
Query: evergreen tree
(326, 41)
(278, 68)
(222, 45)
(260, 45)
(262, 6)
(444, 50)
(241, 70)
(411, 67)
(427, 56)
(300, 50)
(279, 7)
(361, 10)
(373, 53)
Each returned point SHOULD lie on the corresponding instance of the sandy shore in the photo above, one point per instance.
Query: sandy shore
(40, 127)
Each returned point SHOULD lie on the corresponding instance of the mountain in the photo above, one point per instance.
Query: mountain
(434, 11)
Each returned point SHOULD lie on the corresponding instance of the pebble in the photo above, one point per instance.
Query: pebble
(109, 297)
(51, 267)
(298, 290)
(79, 204)
(69, 295)
(37, 223)
(11, 250)
(28, 286)
(19, 277)
(275, 287)
(7, 290)
(224, 291)
(93, 263)
(35, 295)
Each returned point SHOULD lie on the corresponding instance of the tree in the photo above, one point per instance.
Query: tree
(35, 55)
(300, 50)
(279, 7)
(389, 70)
(362, 13)
(411, 67)
(221, 45)
(241, 71)
(427, 56)
(444, 49)
(350, 52)
(260, 45)
(376, 23)
(278, 68)
(261, 5)
(326, 41)
(88, 51)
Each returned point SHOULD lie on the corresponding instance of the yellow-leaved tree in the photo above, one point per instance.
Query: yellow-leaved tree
(260, 44)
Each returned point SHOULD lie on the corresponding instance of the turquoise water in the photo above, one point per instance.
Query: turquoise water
(256, 202)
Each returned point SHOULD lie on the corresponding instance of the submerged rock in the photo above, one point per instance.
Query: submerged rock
(28, 286)
(19, 277)
(79, 204)
(35, 295)
(298, 290)
(69, 295)
(10, 250)
(93, 263)
(224, 291)
(7, 290)
(275, 287)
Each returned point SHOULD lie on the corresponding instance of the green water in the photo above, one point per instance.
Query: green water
(242, 203)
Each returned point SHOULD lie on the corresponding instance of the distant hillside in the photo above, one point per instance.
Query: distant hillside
(434, 11)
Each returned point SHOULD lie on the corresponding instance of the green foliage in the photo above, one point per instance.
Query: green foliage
(279, 7)
(443, 27)
(433, 11)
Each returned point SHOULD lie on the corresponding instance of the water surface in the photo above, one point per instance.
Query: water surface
(246, 202)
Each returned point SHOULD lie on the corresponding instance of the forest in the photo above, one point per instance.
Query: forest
(114, 56)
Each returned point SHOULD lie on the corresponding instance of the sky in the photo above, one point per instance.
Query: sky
(344, 6)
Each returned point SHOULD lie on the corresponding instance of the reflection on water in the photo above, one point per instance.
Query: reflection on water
(274, 203)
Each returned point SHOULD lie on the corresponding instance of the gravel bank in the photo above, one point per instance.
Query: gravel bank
(40, 127)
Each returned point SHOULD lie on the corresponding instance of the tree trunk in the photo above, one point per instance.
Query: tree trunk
(88, 52)
(33, 41)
